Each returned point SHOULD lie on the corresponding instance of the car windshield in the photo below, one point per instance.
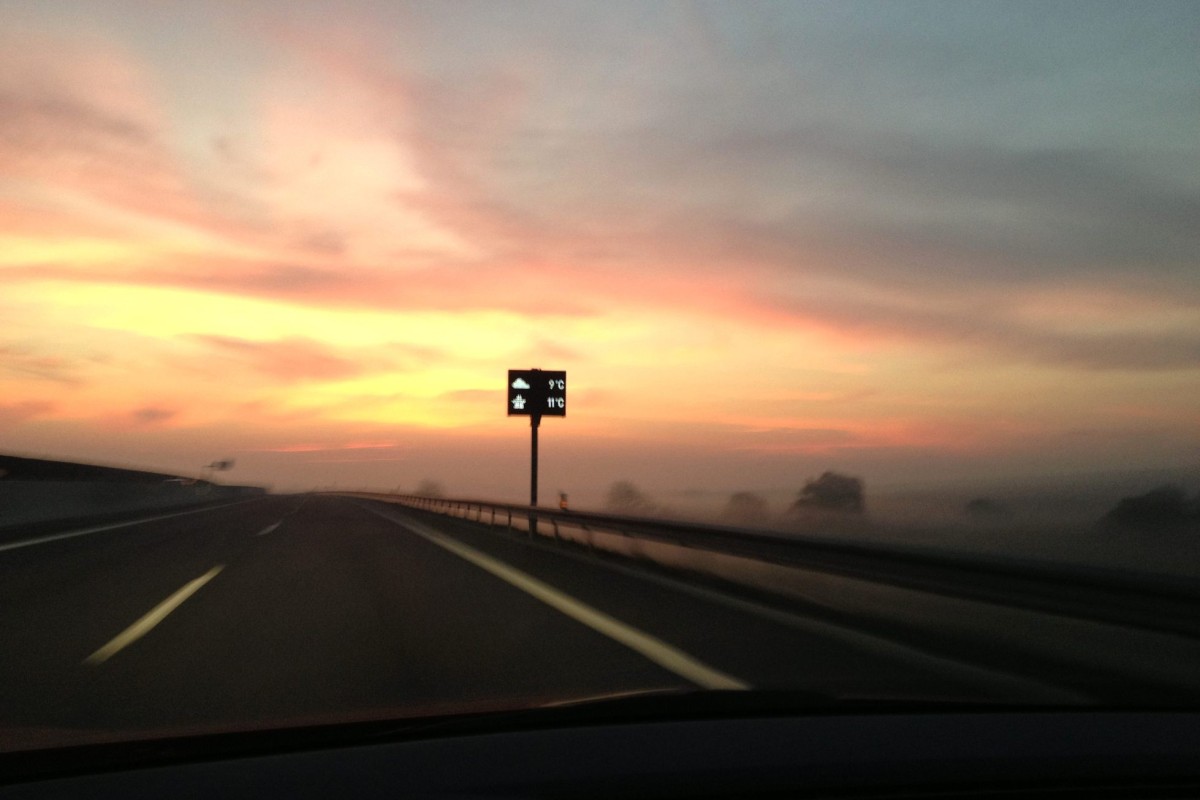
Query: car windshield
(404, 360)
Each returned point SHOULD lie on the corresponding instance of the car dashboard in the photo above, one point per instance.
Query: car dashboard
(988, 754)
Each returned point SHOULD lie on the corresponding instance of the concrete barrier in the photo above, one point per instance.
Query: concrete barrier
(24, 503)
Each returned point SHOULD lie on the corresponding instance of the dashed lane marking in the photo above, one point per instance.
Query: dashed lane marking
(156, 615)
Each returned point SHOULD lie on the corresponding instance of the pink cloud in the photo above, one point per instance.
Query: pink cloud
(322, 448)
(88, 123)
(15, 413)
(288, 359)
(28, 361)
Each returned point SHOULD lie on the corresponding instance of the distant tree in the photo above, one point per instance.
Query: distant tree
(430, 488)
(625, 498)
(745, 508)
(984, 508)
(1164, 507)
(831, 492)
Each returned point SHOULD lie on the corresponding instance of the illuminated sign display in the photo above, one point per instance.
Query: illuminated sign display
(537, 393)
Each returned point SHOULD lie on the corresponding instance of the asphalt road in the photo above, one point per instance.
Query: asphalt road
(287, 610)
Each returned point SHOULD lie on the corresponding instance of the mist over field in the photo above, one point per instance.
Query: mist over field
(1054, 518)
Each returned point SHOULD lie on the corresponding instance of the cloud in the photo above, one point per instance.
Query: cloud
(451, 287)
(82, 128)
(994, 333)
(710, 211)
(85, 99)
(473, 397)
(750, 198)
(985, 318)
(27, 361)
(289, 360)
(799, 440)
(1063, 210)
(546, 348)
(776, 172)
(327, 447)
(884, 205)
(298, 359)
(77, 116)
(152, 415)
(15, 413)
(325, 242)
(722, 216)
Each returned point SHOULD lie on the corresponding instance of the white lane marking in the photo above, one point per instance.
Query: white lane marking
(99, 528)
(269, 528)
(1009, 683)
(656, 650)
(156, 615)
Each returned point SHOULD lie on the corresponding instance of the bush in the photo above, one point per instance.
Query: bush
(832, 492)
(625, 498)
(1164, 507)
(429, 488)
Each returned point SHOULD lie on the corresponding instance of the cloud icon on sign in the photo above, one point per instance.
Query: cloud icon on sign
(520, 383)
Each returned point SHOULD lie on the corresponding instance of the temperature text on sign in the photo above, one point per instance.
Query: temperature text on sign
(537, 393)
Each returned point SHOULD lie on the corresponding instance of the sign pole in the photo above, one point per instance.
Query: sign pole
(536, 393)
(535, 421)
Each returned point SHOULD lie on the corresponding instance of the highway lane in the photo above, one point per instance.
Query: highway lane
(67, 594)
(292, 609)
(1128, 649)
(773, 648)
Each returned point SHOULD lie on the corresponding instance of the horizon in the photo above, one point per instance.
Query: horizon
(1104, 487)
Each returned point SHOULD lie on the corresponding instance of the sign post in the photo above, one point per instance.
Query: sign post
(535, 393)
(535, 422)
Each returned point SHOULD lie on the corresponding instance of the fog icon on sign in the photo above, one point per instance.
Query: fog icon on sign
(521, 383)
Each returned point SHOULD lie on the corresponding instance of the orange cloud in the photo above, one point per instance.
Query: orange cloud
(321, 448)
(27, 361)
(25, 410)
(288, 360)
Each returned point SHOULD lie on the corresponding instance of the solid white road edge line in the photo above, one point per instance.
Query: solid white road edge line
(656, 650)
(156, 615)
(85, 531)
(269, 528)
(874, 645)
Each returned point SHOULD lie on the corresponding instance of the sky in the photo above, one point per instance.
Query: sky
(913, 241)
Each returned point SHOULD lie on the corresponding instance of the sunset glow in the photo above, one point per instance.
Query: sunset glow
(279, 234)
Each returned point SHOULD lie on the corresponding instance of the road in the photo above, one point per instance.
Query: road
(288, 610)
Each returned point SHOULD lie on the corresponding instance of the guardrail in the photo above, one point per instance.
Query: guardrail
(1158, 603)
